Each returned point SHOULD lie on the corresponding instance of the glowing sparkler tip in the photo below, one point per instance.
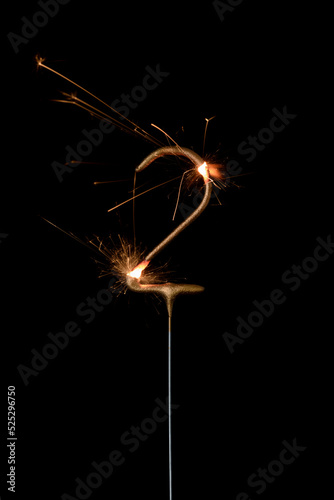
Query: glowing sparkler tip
(39, 60)
(204, 171)
(136, 272)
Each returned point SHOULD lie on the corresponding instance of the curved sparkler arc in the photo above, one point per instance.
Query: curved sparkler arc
(170, 151)
(198, 162)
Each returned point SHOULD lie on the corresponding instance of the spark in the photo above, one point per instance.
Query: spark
(88, 107)
(71, 235)
(133, 207)
(76, 162)
(144, 192)
(179, 192)
(96, 183)
(205, 131)
(165, 133)
(121, 259)
(101, 115)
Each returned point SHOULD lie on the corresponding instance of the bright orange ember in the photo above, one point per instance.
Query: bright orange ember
(204, 171)
(136, 272)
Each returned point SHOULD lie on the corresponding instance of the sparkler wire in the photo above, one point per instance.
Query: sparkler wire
(169, 291)
(170, 404)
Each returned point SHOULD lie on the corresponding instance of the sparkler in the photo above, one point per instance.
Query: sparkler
(169, 291)
(134, 279)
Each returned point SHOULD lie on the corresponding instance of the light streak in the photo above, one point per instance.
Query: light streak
(134, 128)
(205, 131)
(140, 194)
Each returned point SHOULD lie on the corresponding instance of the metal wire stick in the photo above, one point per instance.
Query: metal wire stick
(169, 292)
(170, 404)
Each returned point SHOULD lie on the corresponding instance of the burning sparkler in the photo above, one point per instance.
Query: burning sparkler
(124, 266)
(169, 291)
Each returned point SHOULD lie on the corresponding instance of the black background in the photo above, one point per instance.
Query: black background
(235, 409)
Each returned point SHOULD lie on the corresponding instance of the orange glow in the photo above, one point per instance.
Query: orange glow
(204, 171)
(39, 60)
(136, 272)
(216, 171)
